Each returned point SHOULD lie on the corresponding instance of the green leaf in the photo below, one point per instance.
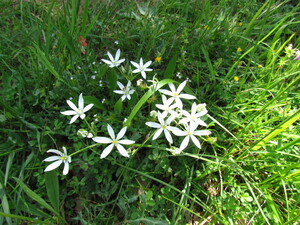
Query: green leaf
(52, 187)
(169, 72)
(118, 106)
(112, 79)
(93, 100)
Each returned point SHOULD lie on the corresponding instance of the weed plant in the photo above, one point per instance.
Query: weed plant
(150, 112)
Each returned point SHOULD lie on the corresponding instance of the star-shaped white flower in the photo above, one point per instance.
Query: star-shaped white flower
(141, 68)
(175, 94)
(167, 107)
(114, 61)
(125, 91)
(61, 158)
(114, 141)
(163, 126)
(194, 116)
(77, 112)
(190, 133)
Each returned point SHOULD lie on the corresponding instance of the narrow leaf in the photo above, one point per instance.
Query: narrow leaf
(52, 187)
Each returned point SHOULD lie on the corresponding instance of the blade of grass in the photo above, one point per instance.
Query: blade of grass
(145, 97)
(37, 198)
(277, 130)
(24, 218)
(5, 204)
(170, 186)
(41, 56)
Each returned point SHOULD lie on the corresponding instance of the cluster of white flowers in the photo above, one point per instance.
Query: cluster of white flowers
(173, 112)
(142, 68)
(172, 118)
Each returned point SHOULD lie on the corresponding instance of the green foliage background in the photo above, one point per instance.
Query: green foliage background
(247, 171)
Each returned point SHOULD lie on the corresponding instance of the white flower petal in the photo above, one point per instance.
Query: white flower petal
(106, 61)
(106, 151)
(172, 87)
(119, 92)
(69, 113)
(102, 140)
(52, 158)
(186, 96)
(177, 131)
(141, 62)
(168, 136)
(80, 102)
(121, 86)
(153, 124)
(53, 165)
(181, 86)
(143, 74)
(72, 105)
(184, 143)
(110, 57)
(55, 151)
(66, 169)
(136, 71)
(126, 142)
(166, 92)
(196, 141)
(121, 133)
(111, 132)
(120, 61)
(122, 150)
(147, 64)
(88, 107)
(73, 119)
(157, 133)
(117, 56)
(135, 64)
(202, 132)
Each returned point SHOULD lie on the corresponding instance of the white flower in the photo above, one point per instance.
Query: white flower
(167, 107)
(61, 158)
(77, 112)
(141, 68)
(114, 61)
(114, 141)
(163, 125)
(175, 94)
(190, 133)
(125, 91)
(193, 117)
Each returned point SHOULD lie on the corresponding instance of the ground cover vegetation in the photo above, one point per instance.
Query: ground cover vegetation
(150, 112)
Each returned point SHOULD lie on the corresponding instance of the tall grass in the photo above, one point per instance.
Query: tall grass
(234, 54)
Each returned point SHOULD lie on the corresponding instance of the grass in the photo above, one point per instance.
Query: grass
(235, 56)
